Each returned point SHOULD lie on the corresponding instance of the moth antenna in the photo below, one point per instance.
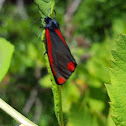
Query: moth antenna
(34, 21)
(54, 14)
(50, 12)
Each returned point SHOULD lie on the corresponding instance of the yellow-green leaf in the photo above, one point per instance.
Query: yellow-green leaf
(6, 51)
(117, 90)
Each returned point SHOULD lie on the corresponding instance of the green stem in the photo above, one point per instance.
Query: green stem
(44, 8)
(61, 113)
(14, 114)
(56, 89)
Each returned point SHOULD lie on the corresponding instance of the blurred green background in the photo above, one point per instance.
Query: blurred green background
(90, 28)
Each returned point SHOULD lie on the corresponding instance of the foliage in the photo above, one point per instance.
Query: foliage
(95, 21)
(116, 91)
(6, 51)
(84, 96)
(45, 6)
(81, 116)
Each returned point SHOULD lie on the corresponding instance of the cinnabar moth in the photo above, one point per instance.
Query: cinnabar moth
(61, 60)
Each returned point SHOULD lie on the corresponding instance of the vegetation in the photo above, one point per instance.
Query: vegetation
(90, 28)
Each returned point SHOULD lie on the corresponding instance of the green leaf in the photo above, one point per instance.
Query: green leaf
(45, 82)
(6, 51)
(70, 94)
(98, 63)
(110, 121)
(81, 116)
(117, 90)
(45, 6)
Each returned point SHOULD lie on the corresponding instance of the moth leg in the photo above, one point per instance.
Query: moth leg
(45, 53)
(46, 49)
(44, 40)
(42, 26)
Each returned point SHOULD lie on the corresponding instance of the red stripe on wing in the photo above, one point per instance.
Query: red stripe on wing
(60, 35)
(49, 50)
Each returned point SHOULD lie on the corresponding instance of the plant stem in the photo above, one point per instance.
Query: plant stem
(15, 114)
(44, 8)
(61, 113)
(56, 89)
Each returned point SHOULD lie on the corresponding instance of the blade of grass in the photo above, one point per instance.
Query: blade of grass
(14, 114)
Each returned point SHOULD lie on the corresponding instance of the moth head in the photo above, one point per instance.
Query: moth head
(47, 19)
(51, 23)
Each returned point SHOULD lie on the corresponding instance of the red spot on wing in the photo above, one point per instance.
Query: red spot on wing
(49, 50)
(61, 80)
(71, 66)
(60, 35)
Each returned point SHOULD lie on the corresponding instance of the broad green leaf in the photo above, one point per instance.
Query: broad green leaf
(96, 104)
(81, 116)
(6, 51)
(70, 94)
(117, 90)
(45, 7)
(98, 74)
(110, 121)
(98, 63)
(45, 82)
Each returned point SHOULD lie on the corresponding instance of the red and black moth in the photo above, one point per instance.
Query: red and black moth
(61, 60)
